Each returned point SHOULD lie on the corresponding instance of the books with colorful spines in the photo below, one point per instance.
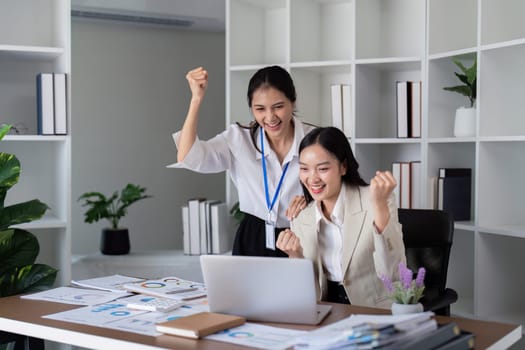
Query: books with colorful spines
(200, 324)
(454, 192)
(464, 341)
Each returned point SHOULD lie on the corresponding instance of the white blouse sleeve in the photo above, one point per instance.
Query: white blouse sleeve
(210, 156)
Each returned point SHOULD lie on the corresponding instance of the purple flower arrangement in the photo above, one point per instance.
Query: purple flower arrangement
(407, 290)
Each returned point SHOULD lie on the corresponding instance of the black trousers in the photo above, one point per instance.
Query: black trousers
(336, 293)
(250, 238)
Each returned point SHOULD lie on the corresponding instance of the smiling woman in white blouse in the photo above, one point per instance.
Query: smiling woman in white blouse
(350, 229)
(262, 157)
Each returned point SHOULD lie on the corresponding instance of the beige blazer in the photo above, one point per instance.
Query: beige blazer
(367, 255)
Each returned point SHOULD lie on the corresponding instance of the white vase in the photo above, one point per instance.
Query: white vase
(465, 122)
(401, 309)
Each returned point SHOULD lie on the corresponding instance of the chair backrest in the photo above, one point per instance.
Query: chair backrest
(428, 236)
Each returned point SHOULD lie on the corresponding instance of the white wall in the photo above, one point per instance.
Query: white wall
(129, 93)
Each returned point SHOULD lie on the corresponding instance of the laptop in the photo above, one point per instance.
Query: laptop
(262, 288)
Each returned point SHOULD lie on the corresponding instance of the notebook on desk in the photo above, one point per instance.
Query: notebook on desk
(262, 288)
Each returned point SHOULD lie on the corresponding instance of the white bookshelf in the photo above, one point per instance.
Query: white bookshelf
(370, 44)
(35, 38)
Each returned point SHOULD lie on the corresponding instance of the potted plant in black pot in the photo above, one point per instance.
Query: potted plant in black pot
(114, 240)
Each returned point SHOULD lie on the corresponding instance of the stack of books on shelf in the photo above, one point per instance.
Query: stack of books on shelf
(408, 178)
(51, 95)
(408, 103)
(386, 332)
(451, 191)
(206, 227)
(341, 107)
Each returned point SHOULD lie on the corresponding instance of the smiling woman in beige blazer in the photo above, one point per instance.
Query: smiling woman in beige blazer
(350, 229)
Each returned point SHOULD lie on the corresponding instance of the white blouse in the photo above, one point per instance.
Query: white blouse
(331, 238)
(233, 150)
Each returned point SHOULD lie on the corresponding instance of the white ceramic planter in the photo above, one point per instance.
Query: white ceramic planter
(401, 309)
(465, 122)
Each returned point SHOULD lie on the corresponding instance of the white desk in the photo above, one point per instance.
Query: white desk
(147, 264)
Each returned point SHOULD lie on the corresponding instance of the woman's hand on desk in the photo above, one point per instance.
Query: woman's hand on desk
(289, 243)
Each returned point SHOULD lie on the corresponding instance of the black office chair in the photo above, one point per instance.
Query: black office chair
(428, 235)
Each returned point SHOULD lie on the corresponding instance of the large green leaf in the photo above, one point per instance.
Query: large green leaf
(21, 212)
(132, 193)
(461, 89)
(26, 279)
(9, 173)
(98, 206)
(4, 129)
(17, 248)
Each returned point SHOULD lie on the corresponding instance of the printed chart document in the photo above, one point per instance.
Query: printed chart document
(74, 296)
(116, 316)
(258, 336)
(111, 283)
(169, 287)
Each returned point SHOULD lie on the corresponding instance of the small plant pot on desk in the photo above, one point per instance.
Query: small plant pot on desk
(114, 242)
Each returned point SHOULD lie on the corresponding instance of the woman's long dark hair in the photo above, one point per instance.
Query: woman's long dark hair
(335, 142)
(271, 76)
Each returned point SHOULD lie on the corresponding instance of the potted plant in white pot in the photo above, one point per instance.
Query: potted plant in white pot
(114, 240)
(407, 291)
(465, 121)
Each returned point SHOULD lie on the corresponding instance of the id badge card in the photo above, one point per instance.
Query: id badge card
(270, 233)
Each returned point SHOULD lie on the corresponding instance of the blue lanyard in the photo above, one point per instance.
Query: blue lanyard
(265, 175)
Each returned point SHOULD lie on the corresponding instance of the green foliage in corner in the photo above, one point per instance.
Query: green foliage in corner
(18, 247)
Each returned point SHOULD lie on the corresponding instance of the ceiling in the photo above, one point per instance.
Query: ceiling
(201, 15)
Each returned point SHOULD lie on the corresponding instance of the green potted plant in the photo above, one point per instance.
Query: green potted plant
(19, 248)
(114, 240)
(465, 121)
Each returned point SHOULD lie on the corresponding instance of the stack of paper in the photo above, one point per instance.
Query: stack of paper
(368, 331)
